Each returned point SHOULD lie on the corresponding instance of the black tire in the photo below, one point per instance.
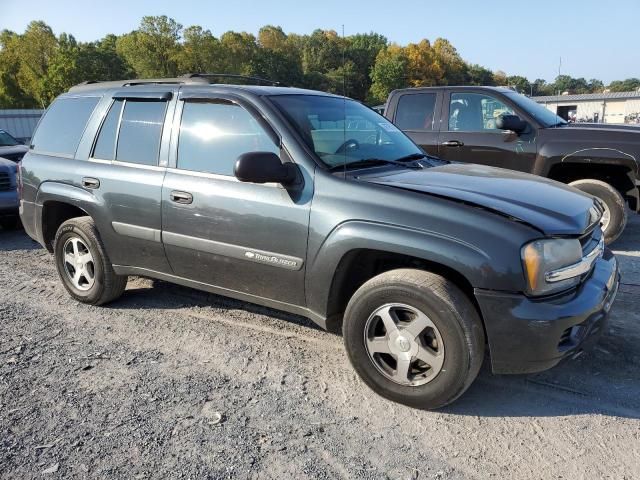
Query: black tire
(9, 223)
(107, 285)
(613, 201)
(448, 308)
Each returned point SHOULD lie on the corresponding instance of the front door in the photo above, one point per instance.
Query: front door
(241, 237)
(469, 133)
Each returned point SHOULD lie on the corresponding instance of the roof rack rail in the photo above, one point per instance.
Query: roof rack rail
(235, 76)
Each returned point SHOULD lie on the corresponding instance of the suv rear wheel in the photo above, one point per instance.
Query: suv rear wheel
(83, 264)
(614, 218)
(414, 337)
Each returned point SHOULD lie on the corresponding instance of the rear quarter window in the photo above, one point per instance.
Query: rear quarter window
(63, 124)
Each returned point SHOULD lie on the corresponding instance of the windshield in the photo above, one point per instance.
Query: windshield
(7, 140)
(342, 131)
(542, 114)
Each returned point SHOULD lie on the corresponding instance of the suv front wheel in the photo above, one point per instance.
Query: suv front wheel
(83, 264)
(414, 337)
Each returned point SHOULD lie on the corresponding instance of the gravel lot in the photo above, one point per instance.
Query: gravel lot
(170, 382)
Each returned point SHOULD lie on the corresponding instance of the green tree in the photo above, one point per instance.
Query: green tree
(389, 72)
(478, 75)
(628, 85)
(521, 84)
(239, 52)
(201, 52)
(152, 50)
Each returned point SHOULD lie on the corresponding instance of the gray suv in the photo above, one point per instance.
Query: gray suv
(315, 204)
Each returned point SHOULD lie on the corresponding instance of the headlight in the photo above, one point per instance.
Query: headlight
(542, 258)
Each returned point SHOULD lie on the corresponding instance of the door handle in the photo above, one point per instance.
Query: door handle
(453, 143)
(181, 197)
(90, 182)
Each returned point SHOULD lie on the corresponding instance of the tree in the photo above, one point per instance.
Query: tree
(499, 78)
(478, 75)
(453, 69)
(521, 84)
(389, 73)
(239, 52)
(422, 68)
(152, 50)
(628, 85)
(201, 52)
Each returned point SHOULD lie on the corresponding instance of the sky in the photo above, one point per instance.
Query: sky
(595, 39)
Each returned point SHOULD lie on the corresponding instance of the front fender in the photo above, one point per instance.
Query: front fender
(477, 265)
(552, 154)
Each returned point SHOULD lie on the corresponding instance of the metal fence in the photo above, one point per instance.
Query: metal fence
(20, 123)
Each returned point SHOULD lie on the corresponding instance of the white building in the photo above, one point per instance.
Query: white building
(611, 107)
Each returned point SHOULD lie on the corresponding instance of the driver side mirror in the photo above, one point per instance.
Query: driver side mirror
(264, 167)
(511, 122)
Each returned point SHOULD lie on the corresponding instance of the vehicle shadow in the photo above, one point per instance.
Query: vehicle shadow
(16, 239)
(151, 293)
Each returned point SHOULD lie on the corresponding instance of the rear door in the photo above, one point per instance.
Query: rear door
(125, 172)
(469, 132)
(418, 115)
(240, 237)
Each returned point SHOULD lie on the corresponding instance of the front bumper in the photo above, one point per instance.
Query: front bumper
(530, 335)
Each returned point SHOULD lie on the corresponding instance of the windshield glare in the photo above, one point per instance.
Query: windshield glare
(343, 131)
(542, 114)
(7, 140)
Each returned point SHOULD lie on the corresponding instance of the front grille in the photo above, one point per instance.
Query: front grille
(5, 182)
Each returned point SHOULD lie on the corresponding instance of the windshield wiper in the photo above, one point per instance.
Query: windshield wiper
(411, 156)
(372, 162)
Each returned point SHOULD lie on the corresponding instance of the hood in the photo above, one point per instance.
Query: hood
(549, 206)
(14, 153)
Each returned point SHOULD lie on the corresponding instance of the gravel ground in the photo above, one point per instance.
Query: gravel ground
(169, 382)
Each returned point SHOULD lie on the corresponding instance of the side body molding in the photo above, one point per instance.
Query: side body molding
(467, 259)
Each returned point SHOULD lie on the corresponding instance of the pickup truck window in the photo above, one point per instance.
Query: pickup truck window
(214, 134)
(542, 114)
(140, 132)
(342, 131)
(73, 113)
(474, 112)
(416, 111)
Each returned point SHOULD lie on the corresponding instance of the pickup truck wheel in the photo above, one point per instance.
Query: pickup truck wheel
(83, 264)
(414, 337)
(615, 216)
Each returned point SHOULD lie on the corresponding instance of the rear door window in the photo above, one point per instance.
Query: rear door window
(63, 124)
(140, 132)
(416, 111)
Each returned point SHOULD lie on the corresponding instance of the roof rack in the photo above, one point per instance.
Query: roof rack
(188, 78)
(234, 76)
